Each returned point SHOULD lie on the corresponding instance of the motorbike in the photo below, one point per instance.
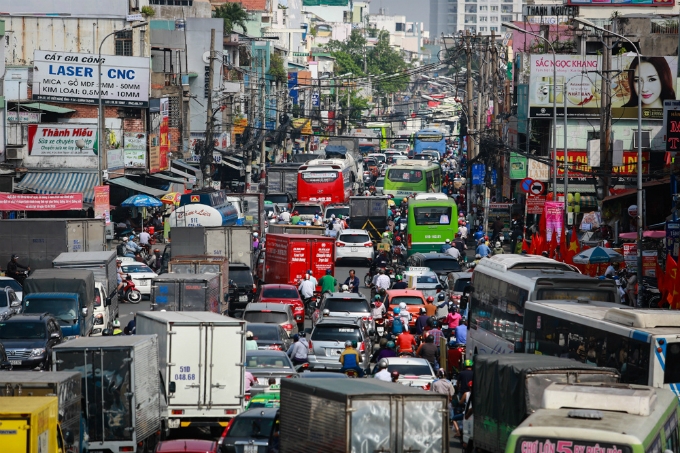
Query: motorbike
(311, 305)
(129, 292)
(20, 276)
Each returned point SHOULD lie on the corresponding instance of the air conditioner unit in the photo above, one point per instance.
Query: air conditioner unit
(15, 153)
(646, 139)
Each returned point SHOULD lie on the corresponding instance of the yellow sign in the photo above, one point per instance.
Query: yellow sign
(240, 126)
(305, 124)
(195, 199)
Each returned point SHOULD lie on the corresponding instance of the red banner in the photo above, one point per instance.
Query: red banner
(535, 205)
(578, 164)
(101, 203)
(28, 202)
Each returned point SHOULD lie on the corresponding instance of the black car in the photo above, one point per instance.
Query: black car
(28, 340)
(269, 336)
(440, 263)
(257, 428)
(4, 362)
(241, 288)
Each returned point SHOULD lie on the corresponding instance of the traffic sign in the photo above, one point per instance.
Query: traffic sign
(525, 184)
(537, 188)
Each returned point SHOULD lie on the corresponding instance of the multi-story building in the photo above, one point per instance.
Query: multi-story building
(476, 16)
(410, 37)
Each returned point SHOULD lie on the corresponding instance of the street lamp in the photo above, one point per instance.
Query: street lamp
(639, 147)
(554, 157)
(100, 109)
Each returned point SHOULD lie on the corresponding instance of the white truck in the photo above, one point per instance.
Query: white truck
(202, 358)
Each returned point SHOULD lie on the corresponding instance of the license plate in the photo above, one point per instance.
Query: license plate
(243, 298)
(354, 249)
(15, 362)
(380, 330)
(144, 282)
(250, 449)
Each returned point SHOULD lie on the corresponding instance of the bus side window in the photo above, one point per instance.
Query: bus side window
(672, 442)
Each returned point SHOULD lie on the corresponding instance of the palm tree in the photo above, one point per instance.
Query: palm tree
(233, 14)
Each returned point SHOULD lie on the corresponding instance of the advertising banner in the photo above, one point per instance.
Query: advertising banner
(115, 159)
(579, 168)
(538, 171)
(477, 174)
(60, 139)
(630, 255)
(101, 203)
(24, 117)
(73, 77)
(554, 218)
(671, 120)
(518, 166)
(535, 205)
(40, 202)
(164, 134)
(673, 238)
(135, 149)
(583, 84)
(614, 3)
(649, 263)
(154, 159)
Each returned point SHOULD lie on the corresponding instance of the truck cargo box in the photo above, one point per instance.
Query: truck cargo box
(232, 242)
(201, 359)
(509, 387)
(289, 256)
(187, 292)
(361, 415)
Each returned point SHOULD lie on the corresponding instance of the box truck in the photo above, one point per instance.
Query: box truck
(289, 256)
(187, 292)
(30, 425)
(233, 242)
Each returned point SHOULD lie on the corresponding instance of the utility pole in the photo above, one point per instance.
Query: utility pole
(263, 121)
(470, 102)
(606, 112)
(207, 155)
(494, 83)
(251, 124)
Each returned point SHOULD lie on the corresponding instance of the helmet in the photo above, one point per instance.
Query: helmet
(422, 310)
(328, 272)
(397, 239)
(386, 234)
(390, 344)
(249, 335)
(156, 251)
(132, 236)
(354, 343)
(468, 363)
(345, 288)
(398, 277)
(404, 200)
(448, 241)
(326, 312)
(255, 234)
(377, 297)
(441, 296)
(382, 364)
(309, 271)
(402, 305)
(124, 240)
(397, 310)
(116, 323)
(348, 344)
(430, 298)
(498, 244)
(486, 238)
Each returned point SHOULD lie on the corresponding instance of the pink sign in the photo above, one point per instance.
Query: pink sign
(28, 202)
(554, 218)
(101, 203)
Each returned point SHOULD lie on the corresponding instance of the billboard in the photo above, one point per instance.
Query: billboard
(41, 202)
(611, 3)
(583, 86)
(60, 139)
(518, 166)
(135, 149)
(73, 78)
(671, 122)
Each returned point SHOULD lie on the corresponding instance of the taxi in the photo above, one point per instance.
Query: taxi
(271, 397)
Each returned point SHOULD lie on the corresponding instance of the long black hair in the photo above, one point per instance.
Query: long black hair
(665, 76)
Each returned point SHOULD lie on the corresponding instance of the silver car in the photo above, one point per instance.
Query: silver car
(346, 305)
(328, 341)
(10, 304)
(272, 313)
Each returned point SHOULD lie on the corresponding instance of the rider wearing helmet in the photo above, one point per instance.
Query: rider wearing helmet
(350, 359)
(421, 322)
(328, 282)
(344, 289)
(430, 307)
(399, 284)
(379, 309)
(116, 327)
(465, 376)
(405, 314)
(251, 344)
(382, 374)
(398, 325)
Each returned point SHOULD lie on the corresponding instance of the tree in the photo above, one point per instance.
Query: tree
(276, 68)
(233, 14)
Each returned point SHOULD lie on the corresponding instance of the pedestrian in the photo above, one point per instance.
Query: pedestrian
(353, 282)
(443, 386)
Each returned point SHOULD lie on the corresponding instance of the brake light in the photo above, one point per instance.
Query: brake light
(311, 347)
(362, 348)
(247, 398)
(126, 448)
(426, 387)
(368, 318)
(254, 288)
(274, 347)
(230, 412)
(225, 432)
(408, 240)
(177, 411)
(287, 327)
(368, 244)
(339, 244)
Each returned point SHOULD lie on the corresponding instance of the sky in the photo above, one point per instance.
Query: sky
(414, 10)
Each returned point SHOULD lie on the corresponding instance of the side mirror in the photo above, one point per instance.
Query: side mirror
(68, 438)
(5, 365)
(84, 311)
(172, 387)
(107, 302)
(15, 304)
(54, 335)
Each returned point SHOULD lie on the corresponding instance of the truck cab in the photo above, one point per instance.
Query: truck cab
(65, 307)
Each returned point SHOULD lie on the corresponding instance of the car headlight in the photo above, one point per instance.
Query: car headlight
(37, 352)
(71, 337)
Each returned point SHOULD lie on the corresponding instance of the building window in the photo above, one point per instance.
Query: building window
(494, 19)
(506, 18)
(483, 8)
(482, 28)
(506, 8)
(124, 43)
(482, 19)
(172, 2)
(493, 28)
(494, 8)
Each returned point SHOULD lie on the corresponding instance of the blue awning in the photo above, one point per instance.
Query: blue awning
(59, 183)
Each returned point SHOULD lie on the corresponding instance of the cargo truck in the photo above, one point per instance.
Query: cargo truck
(370, 214)
(282, 178)
(509, 388)
(289, 256)
(234, 243)
(204, 264)
(39, 241)
(187, 292)
(64, 385)
(285, 228)
(31, 425)
(123, 401)
(103, 265)
(202, 355)
(66, 294)
(361, 415)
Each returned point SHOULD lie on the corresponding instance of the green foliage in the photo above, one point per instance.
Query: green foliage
(357, 104)
(276, 68)
(233, 14)
(148, 11)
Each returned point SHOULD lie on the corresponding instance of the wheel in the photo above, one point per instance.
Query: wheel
(655, 301)
(134, 296)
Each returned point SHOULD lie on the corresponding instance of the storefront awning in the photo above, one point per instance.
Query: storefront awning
(168, 178)
(129, 184)
(59, 183)
(47, 107)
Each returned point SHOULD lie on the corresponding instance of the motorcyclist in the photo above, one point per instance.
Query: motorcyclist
(131, 248)
(421, 322)
(383, 281)
(155, 261)
(429, 351)
(382, 374)
(306, 289)
(405, 314)
(397, 323)
(406, 343)
(350, 359)
(13, 268)
(297, 351)
(116, 327)
(344, 289)
(399, 284)
(430, 307)
(353, 281)
(328, 282)
(445, 246)
(442, 307)
(498, 248)
(385, 351)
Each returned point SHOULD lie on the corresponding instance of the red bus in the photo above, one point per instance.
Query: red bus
(324, 180)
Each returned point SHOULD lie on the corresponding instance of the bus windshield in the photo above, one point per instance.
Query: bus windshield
(432, 215)
(430, 138)
(404, 175)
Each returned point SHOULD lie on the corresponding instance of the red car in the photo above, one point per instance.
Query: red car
(187, 446)
(283, 294)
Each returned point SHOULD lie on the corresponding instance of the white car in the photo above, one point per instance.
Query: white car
(413, 371)
(11, 283)
(423, 279)
(141, 274)
(354, 245)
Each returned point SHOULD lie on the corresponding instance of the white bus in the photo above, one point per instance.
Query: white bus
(503, 284)
(643, 344)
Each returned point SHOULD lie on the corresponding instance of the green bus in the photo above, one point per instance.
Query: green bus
(593, 418)
(431, 220)
(407, 177)
(385, 130)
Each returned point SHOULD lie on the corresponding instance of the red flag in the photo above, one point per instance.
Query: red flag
(525, 246)
(552, 245)
(542, 226)
(563, 246)
(671, 275)
(532, 247)
(573, 249)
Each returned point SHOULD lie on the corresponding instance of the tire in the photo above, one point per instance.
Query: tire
(654, 301)
(134, 296)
